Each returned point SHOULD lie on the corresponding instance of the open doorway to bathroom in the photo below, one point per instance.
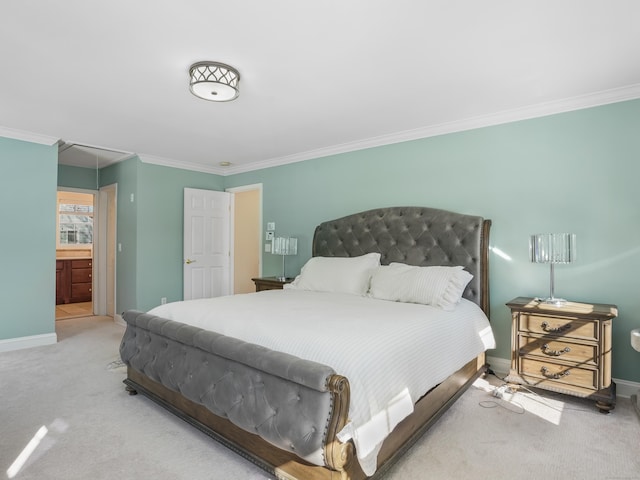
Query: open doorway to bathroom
(74, 254)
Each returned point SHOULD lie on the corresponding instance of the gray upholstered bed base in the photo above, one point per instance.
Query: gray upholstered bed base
(282, 398)
(298, 405)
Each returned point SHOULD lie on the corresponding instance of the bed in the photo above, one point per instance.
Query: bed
(290, 412)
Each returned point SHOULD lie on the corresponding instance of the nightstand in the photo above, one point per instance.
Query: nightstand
(270, 283)
(564, 349)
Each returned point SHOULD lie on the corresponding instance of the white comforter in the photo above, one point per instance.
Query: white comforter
(392, 353)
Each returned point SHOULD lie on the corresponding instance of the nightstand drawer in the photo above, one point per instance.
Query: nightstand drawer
(534, 371)
(568, 327)
(580, 353)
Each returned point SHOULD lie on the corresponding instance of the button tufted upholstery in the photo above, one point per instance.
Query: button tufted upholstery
(412, 235)
(282, 398)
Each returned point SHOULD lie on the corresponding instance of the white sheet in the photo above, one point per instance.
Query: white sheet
(392, 353)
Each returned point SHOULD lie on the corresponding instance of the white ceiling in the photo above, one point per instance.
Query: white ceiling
(316, 78)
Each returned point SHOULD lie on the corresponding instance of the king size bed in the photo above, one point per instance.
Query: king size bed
(337, 375)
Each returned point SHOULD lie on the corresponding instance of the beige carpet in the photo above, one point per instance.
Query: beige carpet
(66, 404)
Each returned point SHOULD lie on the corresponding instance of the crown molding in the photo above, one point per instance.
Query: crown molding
(28, 136)
(168, 162)
(580, 102)
(605, 97)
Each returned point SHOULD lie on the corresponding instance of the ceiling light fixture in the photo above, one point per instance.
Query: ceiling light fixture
(214, 81)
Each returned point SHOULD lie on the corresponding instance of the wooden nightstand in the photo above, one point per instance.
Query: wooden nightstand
(270, 283)
(564, 349)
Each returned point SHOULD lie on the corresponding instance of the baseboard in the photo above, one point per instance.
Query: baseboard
(117, 318)
(624, 388)
(499, 365)
(20, 343)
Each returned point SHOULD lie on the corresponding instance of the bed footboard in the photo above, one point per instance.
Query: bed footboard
(294, 404)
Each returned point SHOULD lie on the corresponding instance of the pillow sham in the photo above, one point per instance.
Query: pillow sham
(337, 274)
(438, 286)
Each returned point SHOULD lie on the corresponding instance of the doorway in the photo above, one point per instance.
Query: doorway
(86, 252)
(247, 239)
(74, 253)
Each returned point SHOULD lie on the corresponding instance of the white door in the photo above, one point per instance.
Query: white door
(206, 243)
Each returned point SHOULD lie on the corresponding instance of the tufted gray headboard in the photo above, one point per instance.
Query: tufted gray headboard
(415, 236)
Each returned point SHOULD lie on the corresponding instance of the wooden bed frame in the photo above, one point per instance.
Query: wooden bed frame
(347, 237)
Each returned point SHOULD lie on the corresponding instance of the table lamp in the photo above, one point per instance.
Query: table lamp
(285, 246)
(553, 248)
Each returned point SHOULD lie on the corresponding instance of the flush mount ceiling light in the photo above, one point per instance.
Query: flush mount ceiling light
(214, 81)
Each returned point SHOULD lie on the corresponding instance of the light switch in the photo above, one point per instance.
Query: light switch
(271, 226)
(269, 236)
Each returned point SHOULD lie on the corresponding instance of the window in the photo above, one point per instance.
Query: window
(75, 220)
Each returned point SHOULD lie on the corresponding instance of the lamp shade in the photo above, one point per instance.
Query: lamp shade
(553, 248)
(285, 246)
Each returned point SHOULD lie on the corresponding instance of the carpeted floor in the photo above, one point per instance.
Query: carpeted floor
(67, 405)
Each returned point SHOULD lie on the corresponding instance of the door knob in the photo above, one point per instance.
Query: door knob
(189, 261)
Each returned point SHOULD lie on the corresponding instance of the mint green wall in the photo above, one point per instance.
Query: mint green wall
(150, 230)
(77, 177)
(574, 172)
(28, 175)
(160, 232)
(125, 175)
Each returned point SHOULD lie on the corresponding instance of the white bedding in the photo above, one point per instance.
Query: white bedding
(391, 352)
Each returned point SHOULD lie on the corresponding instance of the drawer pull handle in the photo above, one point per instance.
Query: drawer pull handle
(554, 376)
(545, 326)
(554, 353)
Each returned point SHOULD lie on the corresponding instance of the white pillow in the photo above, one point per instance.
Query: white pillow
(337, 274)
(438, 286)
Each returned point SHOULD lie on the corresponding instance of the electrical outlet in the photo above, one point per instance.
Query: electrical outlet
(163, 300)
(267, 247)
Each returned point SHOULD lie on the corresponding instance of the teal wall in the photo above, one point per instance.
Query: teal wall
(160, 229)
(76, 177)
(149, 229)
(573, 172)
(28, 175)
(125, 175)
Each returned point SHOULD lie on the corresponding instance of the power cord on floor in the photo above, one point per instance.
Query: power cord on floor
(499, 392)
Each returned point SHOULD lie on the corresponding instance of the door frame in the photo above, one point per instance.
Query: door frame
(104, 242)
